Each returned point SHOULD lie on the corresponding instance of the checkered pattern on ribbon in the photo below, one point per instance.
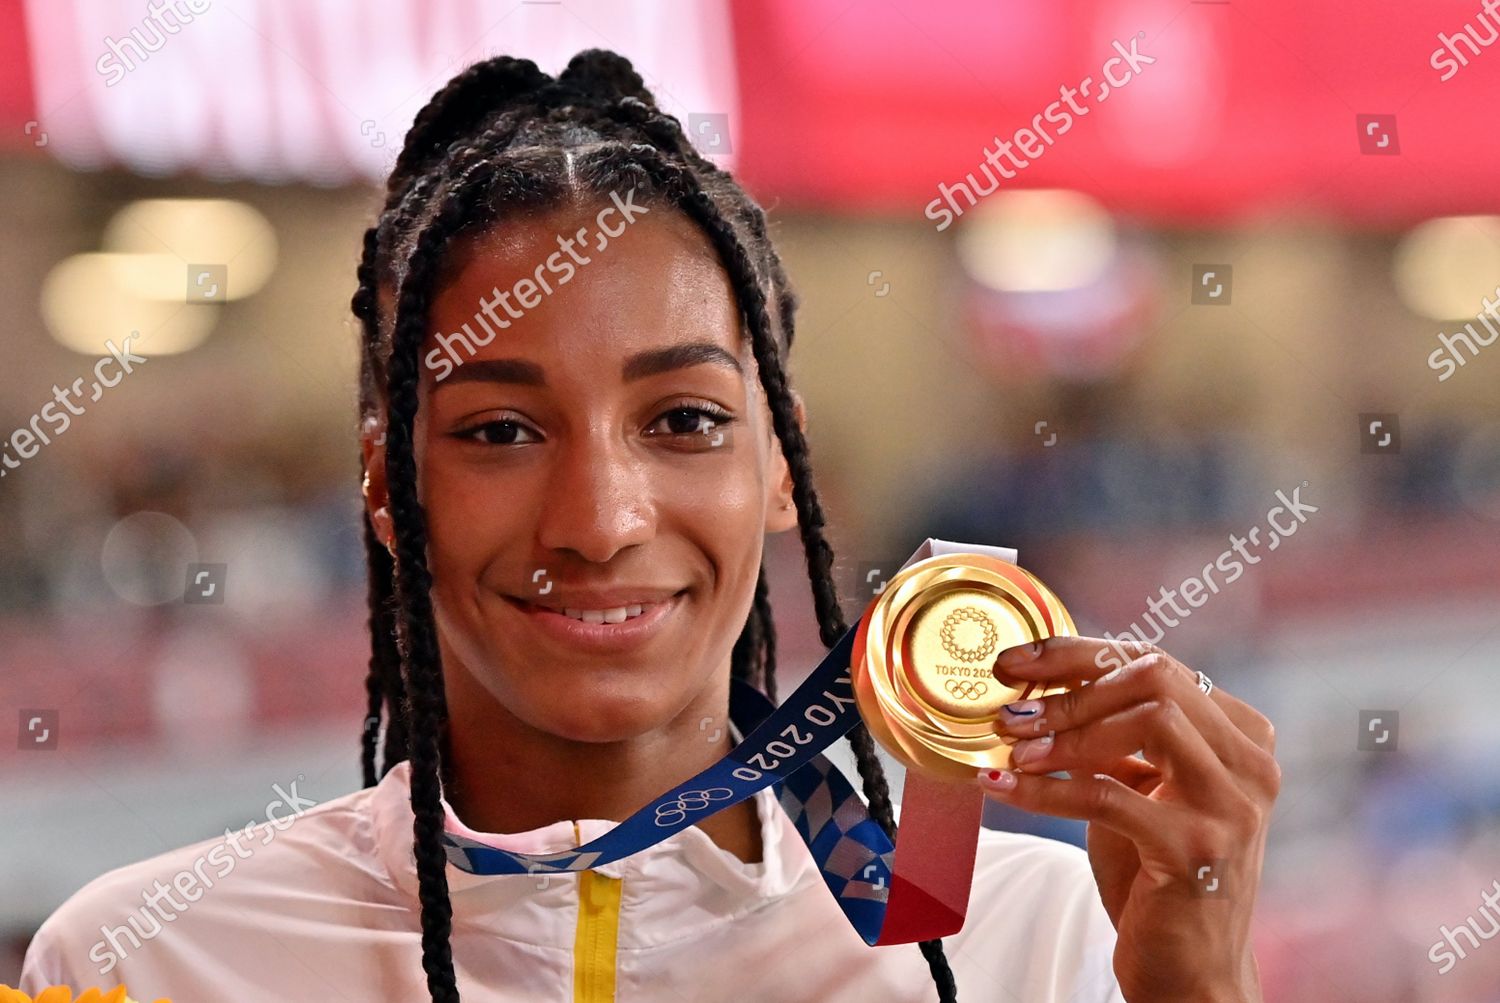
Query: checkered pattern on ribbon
(852, 852)
(850, 847)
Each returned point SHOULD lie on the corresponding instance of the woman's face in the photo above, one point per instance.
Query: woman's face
(610, 448)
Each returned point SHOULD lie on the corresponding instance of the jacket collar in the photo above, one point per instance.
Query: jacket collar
(682, 883)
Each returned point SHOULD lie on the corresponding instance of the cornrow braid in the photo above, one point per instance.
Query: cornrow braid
(384, 680)
(460, 106)
(767, 633)
(383, 684)
(424, 679)
(497, 135)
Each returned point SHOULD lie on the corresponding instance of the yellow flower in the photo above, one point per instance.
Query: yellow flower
(62, 994)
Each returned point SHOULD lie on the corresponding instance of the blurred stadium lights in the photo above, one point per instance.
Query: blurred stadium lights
(143, 281)
(90, 299)
(1053, 286)
(1044, 240)
(1445, 267)
(197, 231)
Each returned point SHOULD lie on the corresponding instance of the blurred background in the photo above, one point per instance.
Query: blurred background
(1259, 263)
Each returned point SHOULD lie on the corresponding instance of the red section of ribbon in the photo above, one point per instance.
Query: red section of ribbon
(936, 844)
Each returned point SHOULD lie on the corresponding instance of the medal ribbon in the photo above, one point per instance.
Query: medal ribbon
(918, 890)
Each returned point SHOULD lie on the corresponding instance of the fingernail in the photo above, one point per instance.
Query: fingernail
(1030, 750)
(1020, 653)
(997, 780)
(1023, 708)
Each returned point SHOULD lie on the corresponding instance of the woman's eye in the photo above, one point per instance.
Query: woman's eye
(499, 433)
(699, 426)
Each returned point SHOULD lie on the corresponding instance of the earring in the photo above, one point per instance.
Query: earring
(364, 488)
(381, 519)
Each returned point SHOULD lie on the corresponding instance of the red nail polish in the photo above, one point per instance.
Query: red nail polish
(997, 780)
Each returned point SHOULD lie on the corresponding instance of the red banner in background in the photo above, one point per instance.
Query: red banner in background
(1247, 109)
(16, 112)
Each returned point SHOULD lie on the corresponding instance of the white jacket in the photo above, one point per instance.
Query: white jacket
(325, 908)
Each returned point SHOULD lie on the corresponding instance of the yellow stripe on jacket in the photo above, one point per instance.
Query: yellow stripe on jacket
(594, 946)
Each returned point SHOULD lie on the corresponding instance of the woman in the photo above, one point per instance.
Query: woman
(577, 429)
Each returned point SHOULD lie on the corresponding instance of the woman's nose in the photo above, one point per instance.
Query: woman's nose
(600, 500)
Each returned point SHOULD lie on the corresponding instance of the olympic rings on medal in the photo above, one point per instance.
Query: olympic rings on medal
(689, 801)
(966, 689)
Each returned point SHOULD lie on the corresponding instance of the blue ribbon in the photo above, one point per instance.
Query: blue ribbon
(783, 750)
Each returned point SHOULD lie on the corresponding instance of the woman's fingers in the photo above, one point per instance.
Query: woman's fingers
(1240, 736)
(1093, 797)
(1151, 679)
(1162, 731)
(1135, 773)
(1255, 725)
(1056, 659)
(1171, 839)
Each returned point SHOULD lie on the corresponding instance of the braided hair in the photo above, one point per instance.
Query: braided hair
(503, 138)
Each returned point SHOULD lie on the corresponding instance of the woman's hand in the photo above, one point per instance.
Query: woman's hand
(1176, 839)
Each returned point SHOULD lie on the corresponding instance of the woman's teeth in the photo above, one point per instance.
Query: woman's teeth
(617, 615)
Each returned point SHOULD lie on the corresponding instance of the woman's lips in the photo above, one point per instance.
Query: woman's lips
(601, 637)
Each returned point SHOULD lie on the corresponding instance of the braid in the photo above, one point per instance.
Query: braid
(363, 302)
(786, 298)
(425, 691)
(371, 733)
(767, 647)
(607, 74)
(459, 107)
(402, 206)
(754, 657)
(383, 684)
(495, 134)
(705, 212)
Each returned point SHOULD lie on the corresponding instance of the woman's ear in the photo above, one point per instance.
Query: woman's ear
(781, 512)
(377, 497)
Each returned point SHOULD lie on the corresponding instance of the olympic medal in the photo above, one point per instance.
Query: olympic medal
(924, 652)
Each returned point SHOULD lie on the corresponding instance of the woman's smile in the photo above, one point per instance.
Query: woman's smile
(600, 621)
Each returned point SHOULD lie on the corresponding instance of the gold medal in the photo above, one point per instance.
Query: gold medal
(924, 652)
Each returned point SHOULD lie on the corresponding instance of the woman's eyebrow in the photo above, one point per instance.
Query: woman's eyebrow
(693, 353)
(638, 366)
